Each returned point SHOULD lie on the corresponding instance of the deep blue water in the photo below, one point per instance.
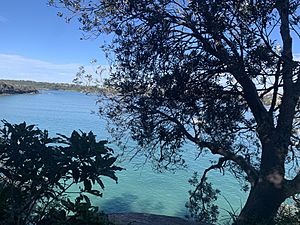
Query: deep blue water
(138, 189)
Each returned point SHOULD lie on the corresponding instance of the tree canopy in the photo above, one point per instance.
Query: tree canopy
(199, 71)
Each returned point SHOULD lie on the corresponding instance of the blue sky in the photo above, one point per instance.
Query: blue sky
(38, 45)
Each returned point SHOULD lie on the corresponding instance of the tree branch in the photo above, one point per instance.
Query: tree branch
(276, 86)
(212, 167)
(252, 174)
(290, 96)
(236, 68)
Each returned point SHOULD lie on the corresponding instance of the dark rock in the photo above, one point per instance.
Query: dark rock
(148, 219)
(6, 89)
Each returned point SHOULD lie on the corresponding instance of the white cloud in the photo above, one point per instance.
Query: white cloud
(297, 56)
(3, 19)
(21, 68)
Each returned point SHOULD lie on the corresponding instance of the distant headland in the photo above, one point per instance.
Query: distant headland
(8, 87)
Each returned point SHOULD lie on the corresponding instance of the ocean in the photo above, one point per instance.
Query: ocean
(140, 188)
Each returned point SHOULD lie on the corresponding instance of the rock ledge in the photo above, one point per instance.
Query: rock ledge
(148, 219)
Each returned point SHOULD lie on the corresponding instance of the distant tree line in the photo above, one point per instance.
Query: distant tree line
(25, 86)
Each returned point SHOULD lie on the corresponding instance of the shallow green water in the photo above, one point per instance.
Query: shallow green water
(139, 189)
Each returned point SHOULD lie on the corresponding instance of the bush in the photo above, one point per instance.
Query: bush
(288, 214)
(36, 172)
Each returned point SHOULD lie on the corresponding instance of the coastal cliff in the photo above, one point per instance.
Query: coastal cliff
(33, 86)
(8, 89)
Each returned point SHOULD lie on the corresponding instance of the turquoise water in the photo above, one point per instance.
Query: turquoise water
(139, 189)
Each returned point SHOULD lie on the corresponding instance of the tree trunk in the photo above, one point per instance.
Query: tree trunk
(262, 205)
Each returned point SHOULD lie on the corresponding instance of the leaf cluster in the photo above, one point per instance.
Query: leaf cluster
(201, 204)
(36, 171)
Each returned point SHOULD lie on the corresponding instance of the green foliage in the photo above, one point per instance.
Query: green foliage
(83, 213)
(88, 80)
(201, 205)
(37, 171)
(289, 214)
(32, 86)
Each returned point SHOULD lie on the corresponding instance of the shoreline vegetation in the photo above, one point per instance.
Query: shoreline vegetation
(9, 87)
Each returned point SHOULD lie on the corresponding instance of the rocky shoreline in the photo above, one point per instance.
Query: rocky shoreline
(7, 89)
(148, 219)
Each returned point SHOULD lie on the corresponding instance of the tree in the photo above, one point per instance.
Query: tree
(199, 71)
(37, 172)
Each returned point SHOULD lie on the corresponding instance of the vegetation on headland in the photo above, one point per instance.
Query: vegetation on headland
(8, 89)
(17, 86)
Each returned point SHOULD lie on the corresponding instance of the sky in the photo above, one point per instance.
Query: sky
(36, 44)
